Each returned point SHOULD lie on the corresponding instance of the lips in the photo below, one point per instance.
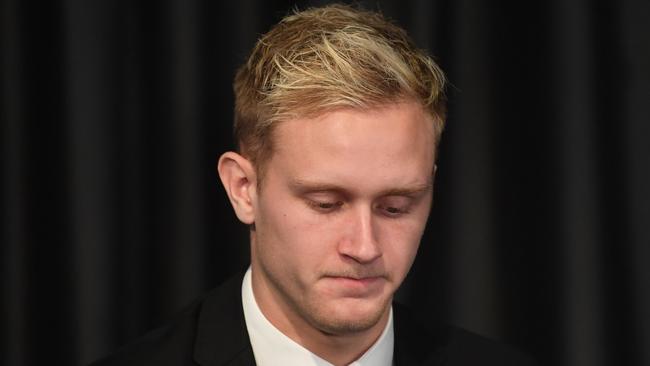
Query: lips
(356, 286)
(360, 281)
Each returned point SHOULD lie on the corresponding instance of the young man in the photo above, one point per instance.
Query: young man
(337, 117)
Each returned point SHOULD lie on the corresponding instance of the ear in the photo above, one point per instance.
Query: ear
(239, 179)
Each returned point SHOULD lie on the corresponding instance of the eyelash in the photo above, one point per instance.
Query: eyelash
(333, 206)
(397, 211)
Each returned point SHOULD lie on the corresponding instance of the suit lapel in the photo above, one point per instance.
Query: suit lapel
(221, 337)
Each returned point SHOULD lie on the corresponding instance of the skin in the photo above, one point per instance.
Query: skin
(338, 221)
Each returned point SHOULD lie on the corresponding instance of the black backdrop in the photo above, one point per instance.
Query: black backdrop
(114, 113)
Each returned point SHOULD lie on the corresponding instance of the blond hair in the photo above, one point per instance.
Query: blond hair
(322, 59)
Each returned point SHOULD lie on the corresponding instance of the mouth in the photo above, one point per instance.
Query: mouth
(357, 286)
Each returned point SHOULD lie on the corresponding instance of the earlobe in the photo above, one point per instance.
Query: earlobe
(239, 179)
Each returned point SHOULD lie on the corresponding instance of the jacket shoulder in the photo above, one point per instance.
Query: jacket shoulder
(210, 331)
(468, 348)
(170, 344)
(435, 343)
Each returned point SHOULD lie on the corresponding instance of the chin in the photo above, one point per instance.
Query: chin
(349, 316)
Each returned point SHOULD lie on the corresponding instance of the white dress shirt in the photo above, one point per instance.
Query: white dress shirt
(271, 347)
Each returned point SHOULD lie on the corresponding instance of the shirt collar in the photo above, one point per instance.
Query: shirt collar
(272, 347)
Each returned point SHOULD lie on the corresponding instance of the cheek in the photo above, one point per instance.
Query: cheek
(400, 241)
(289, 231)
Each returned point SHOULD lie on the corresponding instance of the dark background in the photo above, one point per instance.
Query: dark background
(114, 113)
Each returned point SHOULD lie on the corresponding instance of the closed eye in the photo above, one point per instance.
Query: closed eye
(393, 211)
(325, 207)
(394, 206)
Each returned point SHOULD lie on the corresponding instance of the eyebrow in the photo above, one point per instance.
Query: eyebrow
(306, 186)
(408, 191)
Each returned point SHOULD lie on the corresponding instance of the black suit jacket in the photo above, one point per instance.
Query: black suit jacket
(212, 332)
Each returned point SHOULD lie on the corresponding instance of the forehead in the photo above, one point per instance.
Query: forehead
(388, 146)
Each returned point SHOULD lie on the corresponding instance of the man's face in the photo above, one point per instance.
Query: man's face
(340, 214)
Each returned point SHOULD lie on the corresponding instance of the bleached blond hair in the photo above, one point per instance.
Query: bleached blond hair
(322, 59)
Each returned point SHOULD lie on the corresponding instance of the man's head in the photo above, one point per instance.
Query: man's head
(341, 115)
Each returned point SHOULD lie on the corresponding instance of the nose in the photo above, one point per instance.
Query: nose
(359, 241)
